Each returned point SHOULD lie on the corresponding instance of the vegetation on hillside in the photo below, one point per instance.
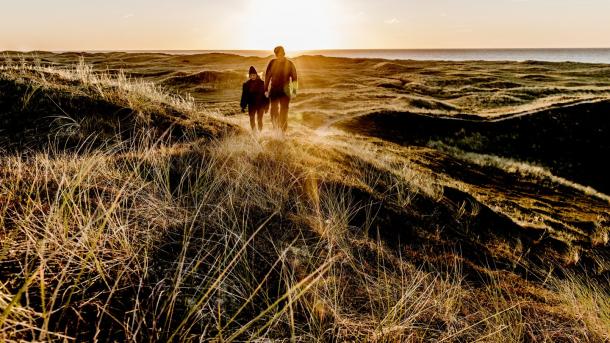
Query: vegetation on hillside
(173, 223)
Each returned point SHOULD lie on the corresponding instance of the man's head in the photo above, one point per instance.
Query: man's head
(279, 51)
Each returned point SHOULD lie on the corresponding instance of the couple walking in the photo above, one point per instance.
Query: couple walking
(279, 87)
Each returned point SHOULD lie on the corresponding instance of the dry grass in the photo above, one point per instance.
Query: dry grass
(585, 299)
(241, 239)
(119, 89)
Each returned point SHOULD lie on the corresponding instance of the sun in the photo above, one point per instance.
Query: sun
(297, 24)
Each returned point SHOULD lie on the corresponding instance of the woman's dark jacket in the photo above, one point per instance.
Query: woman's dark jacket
(253, 95)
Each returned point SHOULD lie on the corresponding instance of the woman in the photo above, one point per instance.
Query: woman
(253, 97)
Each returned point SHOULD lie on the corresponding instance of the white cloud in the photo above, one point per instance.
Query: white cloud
(127, 16)
(392, 21)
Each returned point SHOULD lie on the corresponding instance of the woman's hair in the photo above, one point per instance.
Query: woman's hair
(279, 51)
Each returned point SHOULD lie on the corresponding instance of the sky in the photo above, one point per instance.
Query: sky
(61, 25)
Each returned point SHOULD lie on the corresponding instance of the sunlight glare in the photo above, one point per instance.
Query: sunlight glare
(297, 24)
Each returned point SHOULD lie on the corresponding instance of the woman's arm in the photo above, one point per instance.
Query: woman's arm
(244, 97)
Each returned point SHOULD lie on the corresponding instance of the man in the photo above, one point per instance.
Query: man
(253, 97)
(280, 86)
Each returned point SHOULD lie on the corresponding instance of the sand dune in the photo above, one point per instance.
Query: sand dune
(210, 78)
(479, 88)
(34, 115)
(568, 139)
(410, 200)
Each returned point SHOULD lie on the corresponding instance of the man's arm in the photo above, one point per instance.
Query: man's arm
(294, 85)
(293, 72)
(268, 75)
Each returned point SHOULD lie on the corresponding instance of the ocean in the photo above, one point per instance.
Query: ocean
(600, 55)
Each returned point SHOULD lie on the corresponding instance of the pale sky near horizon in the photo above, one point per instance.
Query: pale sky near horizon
(302, 24)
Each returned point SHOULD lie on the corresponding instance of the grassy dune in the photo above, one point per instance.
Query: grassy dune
(131, 214)
(339, 88)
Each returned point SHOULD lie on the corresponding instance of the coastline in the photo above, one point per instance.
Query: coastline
(577, 55)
